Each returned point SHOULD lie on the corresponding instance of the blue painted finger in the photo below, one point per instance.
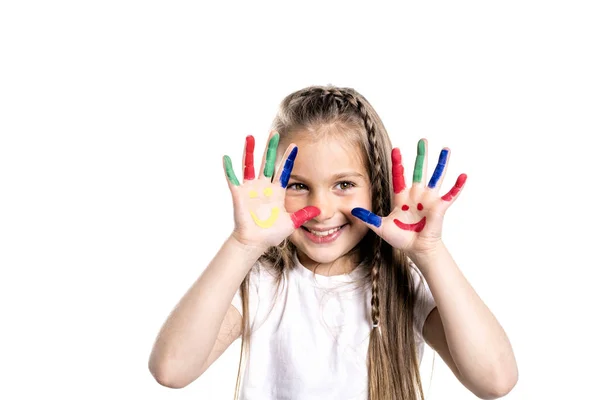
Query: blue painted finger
(287, 168)
(439, 169)
(367, 216)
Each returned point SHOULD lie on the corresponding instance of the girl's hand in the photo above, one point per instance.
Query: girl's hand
(258, 204)
(415, 223)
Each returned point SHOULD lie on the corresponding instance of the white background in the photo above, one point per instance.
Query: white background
(114, 116)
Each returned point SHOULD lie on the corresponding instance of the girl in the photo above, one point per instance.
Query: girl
(335, 273)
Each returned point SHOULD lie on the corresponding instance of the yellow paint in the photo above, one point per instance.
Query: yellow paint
(268, 191)
(253, 194)
(266, 223)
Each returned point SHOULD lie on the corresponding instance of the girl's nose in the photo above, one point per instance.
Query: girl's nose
(326, 205)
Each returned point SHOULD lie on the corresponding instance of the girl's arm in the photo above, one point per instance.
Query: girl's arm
(185, 346)
(187, 338)
(464, 331)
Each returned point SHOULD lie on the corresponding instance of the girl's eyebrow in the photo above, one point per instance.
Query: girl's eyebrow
(335, 177)
(350, 174)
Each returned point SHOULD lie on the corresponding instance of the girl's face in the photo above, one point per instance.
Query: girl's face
(329, 174)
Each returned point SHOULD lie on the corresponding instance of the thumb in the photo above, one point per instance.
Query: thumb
(373, 221)
(304, 215)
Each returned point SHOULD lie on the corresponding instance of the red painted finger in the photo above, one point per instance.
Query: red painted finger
(460, 182)
(304, 215)
(249, 158)
(397, 171)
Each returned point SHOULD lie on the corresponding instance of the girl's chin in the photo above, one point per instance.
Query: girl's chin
(320, 256)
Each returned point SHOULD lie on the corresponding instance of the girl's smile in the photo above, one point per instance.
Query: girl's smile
(323, 235)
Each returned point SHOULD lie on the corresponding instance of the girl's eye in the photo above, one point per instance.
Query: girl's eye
(345, 185)
(297, 186)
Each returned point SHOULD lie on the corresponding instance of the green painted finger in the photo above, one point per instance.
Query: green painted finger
(418, 172)
(229, 172)
(271, 156)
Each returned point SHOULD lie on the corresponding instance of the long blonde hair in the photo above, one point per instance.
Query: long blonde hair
(393, 366)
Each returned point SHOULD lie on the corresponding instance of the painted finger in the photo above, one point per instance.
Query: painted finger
(285, 170)
(229, 171)
(420, 163)
(304, 215)
(455, 191)
(438, 174)
(373, 221)
(397, 171)
(249, 158)
(268, 164)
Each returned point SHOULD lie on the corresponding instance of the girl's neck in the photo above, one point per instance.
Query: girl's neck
(342, 265)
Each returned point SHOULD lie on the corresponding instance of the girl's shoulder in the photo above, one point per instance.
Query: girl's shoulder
(263, 272)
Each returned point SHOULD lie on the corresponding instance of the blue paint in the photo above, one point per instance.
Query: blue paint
(439, 169)
(367, 216)
(287, 168)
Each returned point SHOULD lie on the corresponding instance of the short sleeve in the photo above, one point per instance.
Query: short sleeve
(424, 302)
(252, 292)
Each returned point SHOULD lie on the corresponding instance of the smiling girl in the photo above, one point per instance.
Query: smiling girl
(335, 275)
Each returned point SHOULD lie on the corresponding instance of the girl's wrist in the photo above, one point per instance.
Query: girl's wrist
(252, 249)
(426, 258)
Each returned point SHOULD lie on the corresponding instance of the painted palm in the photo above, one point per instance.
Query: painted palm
(415, 223)
(258, 203)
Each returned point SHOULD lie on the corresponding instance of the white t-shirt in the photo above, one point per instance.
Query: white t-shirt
(312, 342)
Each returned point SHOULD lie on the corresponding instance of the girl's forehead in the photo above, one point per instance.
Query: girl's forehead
(327, 156)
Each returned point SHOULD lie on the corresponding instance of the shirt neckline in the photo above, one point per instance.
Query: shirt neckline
(324, 280)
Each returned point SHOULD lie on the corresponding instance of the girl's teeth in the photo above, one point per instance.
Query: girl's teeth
(325, 233)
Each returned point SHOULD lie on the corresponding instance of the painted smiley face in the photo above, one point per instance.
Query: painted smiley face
(417, 226)
(264, 223)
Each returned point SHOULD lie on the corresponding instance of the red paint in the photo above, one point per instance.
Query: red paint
(249, 158)
(419, 206)
(456, 188)
(300, 217)
(397, 171)
(418, 227)
(405, 208)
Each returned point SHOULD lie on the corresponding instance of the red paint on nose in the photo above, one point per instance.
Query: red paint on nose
(405, 208)
(419, 206)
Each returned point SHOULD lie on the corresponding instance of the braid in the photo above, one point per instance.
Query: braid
(377, 180)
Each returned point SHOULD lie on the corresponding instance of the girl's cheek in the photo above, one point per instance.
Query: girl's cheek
(358, 199)
(294, 203)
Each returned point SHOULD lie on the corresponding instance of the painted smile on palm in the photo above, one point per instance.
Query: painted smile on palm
(268, 222)
(417, 226)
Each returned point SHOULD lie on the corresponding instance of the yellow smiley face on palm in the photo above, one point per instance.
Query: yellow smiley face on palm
(264, 223)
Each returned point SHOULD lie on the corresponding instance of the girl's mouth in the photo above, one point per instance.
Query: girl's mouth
(323, 236)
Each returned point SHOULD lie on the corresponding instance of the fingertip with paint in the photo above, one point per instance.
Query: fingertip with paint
(293, 154)
(366, 216)
(396, 156)
(287, 167)
(229, 171)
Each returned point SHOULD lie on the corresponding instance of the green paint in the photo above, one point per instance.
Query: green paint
(229, 171)
(418, 172)
(271, 155)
